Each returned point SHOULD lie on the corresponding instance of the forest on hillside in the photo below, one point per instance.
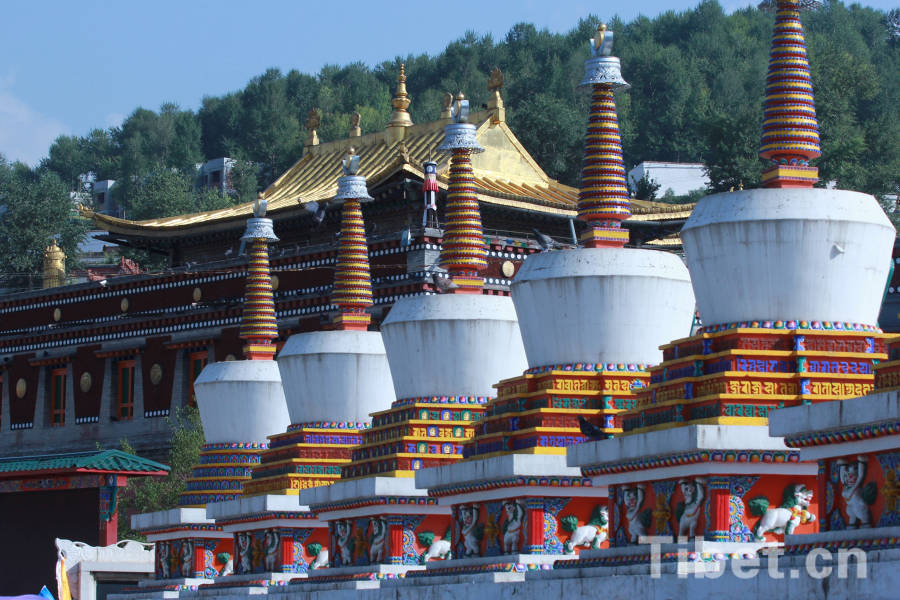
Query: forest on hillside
(697, 90)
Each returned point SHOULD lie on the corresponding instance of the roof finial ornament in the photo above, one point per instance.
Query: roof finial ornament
(259, 206)
(495, 103)
(355, 130)
(400, 119)
(460, 109)
(350, 164)
(446, 103)
(602, 43)
(313, 120)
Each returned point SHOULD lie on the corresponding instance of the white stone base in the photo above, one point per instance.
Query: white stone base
(175, 581)
(378, 569)
(522, 559)
(829, 537)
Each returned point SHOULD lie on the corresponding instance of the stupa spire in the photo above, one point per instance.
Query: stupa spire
(258, 325)
(352, 280)
(603, 201)
(790, 137)
(464, 253)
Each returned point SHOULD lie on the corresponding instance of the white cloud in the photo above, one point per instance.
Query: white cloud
(25, 134)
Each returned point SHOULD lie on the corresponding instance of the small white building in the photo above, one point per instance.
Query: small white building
(681, 178)
(215, 174)
(103, 200)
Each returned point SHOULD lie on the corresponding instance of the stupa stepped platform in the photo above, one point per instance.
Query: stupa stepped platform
(740, 374)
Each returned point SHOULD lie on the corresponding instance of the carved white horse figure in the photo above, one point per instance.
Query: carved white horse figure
(852, 477)
(589, 536)
(377, 545)
(342, 531)
(794, 511)
(438, 549)
(633, 498)
(321, 560)
(694, 494)
(468, 521)
(512, 527)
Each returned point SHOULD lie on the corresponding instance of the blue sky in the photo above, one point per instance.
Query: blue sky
(68, 66)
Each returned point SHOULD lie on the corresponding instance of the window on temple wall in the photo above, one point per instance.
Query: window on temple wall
(125, 392)
(196, 362)
(57, 397)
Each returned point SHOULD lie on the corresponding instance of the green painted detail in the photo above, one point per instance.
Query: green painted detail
(102, 460)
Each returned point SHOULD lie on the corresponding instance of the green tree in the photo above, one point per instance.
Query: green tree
(151, 494)
(35, 208)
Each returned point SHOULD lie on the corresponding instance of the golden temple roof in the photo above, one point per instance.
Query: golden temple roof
(505, 175)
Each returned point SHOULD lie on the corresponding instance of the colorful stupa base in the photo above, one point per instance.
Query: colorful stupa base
(274, 537)
(221, 472)
(714, 482)
(353, 321)
(537, 412)
(416, 433)
(739, 374)
(377, 524)
(188, 544)
(856, 444)
(306, 455)
(516, 509)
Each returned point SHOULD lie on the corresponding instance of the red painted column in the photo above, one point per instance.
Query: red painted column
(108, 509)
(395, 539)
(199, 565)
(287, 551)
(719, 510)
(534, 536)
(109, 530)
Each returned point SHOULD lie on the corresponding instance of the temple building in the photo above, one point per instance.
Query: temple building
(110, 359)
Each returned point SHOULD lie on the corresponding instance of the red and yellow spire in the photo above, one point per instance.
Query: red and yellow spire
(464, 253)
(790, 137)
(258, 325)
(603, 201)
(352, 280)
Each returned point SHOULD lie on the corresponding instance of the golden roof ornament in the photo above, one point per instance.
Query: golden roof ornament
(446, 103)
(350, 163)
(313, 120)
(355, 130)
(403, 152)
(54, 266)
(400, 119)
(495, 102)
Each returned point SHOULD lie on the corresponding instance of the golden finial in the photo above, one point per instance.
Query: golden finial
(403, 152)
(741, 185)
(54, 266)
(400, 119)
(355, 130)
(601, 33)
(446, 102)
(313, 120)
(495, 103)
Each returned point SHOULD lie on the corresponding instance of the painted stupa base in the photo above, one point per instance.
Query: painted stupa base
(275, 537)
(189, 545)
(221, 472)
(416, 433)
(856, 444)
(307, 455)
(739, 373)
(715, 482)
(526, 509)
(378, 523)
(537, 413)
